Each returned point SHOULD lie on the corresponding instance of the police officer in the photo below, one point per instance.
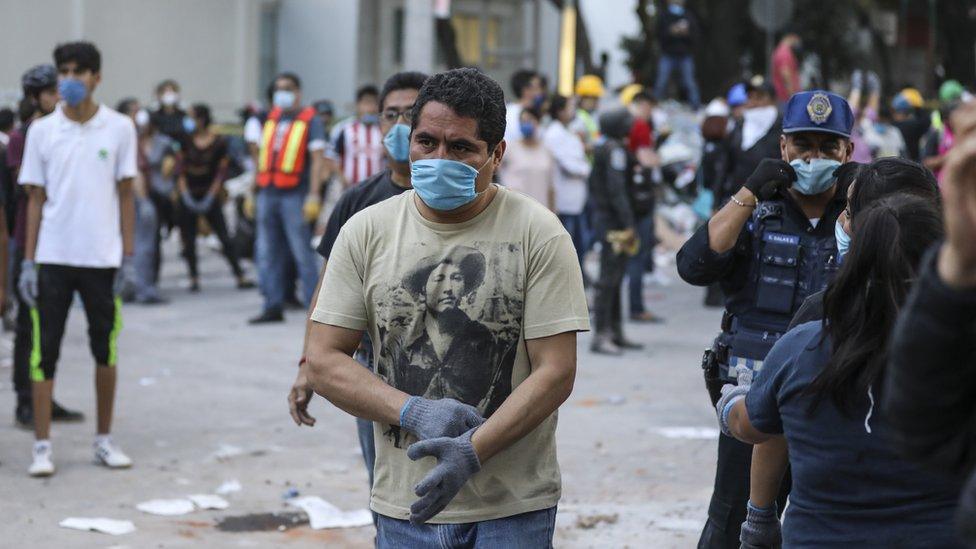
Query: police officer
(613, 224)
(769, 247)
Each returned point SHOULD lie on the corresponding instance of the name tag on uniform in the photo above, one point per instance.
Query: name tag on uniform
(780, 238)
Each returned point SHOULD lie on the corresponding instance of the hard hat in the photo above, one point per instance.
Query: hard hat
(589, 85)
(628, 92)
(950, 90)
(737, 95)
(913, 96)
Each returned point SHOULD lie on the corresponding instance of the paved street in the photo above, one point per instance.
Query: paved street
(202, 400)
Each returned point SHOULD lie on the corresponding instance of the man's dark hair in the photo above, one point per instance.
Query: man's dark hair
(522, 79)
(202, 111)
(6, 120)
(84, 54)
(26, 109)
(168, 83)
(407, 80)
(366, 90)
(288, 76)
(643, 96)
(556, 105)
(469, 93)
(124, 105)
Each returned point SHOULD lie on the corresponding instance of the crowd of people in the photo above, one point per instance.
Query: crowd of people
(449, 283)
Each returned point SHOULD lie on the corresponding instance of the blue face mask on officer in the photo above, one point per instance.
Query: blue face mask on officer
(443, 184)
(814, 176)
(397, 142)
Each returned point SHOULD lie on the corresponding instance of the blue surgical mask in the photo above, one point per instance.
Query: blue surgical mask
(443, 184)
(72, 90)
(189, 125)
(370, 119)
(814, 177)
(843, 239)
(397, 142)
(527, 129)
(283, 99)
(675, 9)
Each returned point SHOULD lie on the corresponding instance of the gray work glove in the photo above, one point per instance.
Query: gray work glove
(730, 395)
(196, 206)
(456, 463)
(857, 80)
(761, 530)
(27, 284)
(438, 418)
(125, 277)
(872, 83)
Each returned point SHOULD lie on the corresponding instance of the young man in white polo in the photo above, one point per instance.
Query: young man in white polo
(78, 167)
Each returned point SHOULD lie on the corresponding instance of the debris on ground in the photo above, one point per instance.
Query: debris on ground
(229, 487)
(290, 493)
(693, 433)
(208, 501)
(262, 522)
(166, 507)
(104, 525)
(322, 514)
(587, 522)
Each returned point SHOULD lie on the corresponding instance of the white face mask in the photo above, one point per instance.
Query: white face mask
(142, 118)
(169, 98)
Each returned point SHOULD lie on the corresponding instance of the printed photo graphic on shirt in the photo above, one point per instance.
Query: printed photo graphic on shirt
(450, 326)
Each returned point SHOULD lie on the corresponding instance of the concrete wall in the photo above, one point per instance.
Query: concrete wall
(210, 46)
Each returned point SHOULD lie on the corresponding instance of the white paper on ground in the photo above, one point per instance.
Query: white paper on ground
(322, 514)
(104, 525)
(166, 507)
(694, 433)
(229, 486)
(208, 501)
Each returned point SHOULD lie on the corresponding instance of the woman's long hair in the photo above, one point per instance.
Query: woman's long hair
(861, 304)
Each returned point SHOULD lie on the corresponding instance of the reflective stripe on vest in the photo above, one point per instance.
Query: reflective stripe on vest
(285, 170)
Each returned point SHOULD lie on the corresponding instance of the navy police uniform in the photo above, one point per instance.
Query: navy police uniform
(780, 258)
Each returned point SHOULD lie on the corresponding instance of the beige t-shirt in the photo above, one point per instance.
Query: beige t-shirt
(448, 308)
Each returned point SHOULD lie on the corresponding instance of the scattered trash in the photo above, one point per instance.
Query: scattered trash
(588, 522)
(322, 514)
(208, 501)
(229, 487)
(612, 400)
(261, 522)
(336, 468)
(616, 400)
(166, 507)
(694, 433)
(227, 451)
(290, 493)
(104, 525)
(147, 381)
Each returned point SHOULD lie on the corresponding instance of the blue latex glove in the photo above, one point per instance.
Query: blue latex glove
(27, 284)
(125, 277)
(730, 395)
(456, 463)
(761, 530)
(438, 418)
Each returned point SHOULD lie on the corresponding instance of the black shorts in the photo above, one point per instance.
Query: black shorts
(57, 285)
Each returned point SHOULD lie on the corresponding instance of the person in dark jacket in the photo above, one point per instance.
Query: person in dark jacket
(677, 30)
(818, 389)
(930, 388)
(614, 226)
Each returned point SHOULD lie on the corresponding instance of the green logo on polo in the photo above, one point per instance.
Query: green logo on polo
(103, 154)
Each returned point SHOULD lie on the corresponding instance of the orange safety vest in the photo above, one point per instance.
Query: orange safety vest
(284, 171)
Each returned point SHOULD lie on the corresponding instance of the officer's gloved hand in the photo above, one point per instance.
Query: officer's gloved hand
(438, 418)
(761, 530)
(456, 463)
(730, 395)
(771, 176)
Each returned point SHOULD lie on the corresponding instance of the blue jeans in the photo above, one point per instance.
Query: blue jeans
(577, 227)
(640, 263)
(281, 228)
(532, 530)
(686, 65)
(146, 249)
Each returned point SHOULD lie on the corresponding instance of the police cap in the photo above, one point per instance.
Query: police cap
(818, 111)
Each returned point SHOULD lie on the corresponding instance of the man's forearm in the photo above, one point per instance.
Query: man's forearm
(769, 461)
(724, 227)
(127, 207)
(534, 400)
(335, 375)
(35, 206)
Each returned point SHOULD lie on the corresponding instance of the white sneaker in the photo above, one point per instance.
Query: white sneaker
(42, 466)
(110, 456)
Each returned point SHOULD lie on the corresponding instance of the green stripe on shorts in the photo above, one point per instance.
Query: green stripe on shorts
(36, 373)
(113, 338)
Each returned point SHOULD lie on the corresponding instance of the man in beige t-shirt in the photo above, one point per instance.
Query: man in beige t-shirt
(472, 296)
